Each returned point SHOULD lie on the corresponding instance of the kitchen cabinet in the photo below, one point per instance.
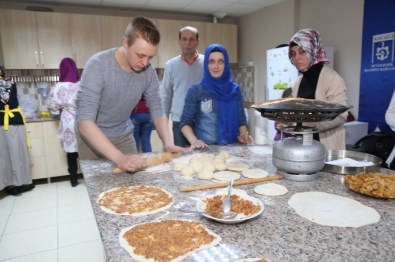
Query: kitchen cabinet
(169, 30)
(85, 37)
(47, 157)
(112, 30)
(32, 40)
(225, 34)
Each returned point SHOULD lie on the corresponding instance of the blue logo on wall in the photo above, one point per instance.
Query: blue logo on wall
(382, 56)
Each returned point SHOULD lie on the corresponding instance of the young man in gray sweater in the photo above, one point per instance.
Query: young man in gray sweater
(112, 83)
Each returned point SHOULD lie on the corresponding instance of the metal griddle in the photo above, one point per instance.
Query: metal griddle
(300, 110)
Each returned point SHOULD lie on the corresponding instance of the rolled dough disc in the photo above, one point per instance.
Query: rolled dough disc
(332, 210)
(226, 175)
(271, 189)
(254, 173)
(233, 166)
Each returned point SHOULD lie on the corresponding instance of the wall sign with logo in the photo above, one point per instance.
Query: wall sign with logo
(378, 63)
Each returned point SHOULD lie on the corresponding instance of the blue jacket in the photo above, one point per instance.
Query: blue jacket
(200, 113)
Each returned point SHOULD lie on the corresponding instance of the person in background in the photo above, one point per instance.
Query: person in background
(278, 124)
(112, 84)
(318, 81)
(213, 111)
(390, 120)
(180, 73)
(143, 126)
(62, 97)
(15, 174)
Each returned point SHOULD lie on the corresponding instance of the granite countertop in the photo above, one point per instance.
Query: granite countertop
(279, 234)
(42, 119)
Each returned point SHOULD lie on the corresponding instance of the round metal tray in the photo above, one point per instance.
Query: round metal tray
(300, 110)
(350, 170)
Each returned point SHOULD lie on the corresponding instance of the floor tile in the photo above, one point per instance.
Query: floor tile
(78, 232)
(74, 213)
(28, 242)
(73, 197)
(3, 223)
(6, 204)
(41, 189)
(34, 203)
(31, 220)
(92, 251)
(47, 256)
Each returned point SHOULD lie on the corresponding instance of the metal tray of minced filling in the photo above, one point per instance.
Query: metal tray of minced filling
(351, 162)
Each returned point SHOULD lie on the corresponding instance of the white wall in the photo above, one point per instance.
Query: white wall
(339, 22)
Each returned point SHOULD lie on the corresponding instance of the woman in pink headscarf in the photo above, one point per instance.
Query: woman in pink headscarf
(63, 98)
(318, 81)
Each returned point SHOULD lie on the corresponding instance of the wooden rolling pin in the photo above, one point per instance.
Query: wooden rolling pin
(236, 183)
(153, 160)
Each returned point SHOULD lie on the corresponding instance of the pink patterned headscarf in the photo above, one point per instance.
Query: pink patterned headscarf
(310, 41)
(68, 71)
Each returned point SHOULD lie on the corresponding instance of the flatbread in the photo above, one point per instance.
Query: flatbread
(135, 200)
(177, 239)
(332, 210)
(271, 189)
(235, 166)
(226, 176)
(254, 173)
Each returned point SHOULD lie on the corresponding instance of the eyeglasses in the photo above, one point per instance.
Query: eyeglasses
(213, 62)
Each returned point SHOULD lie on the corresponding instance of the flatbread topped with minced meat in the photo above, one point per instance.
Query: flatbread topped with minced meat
(166, 240)
(135, 200)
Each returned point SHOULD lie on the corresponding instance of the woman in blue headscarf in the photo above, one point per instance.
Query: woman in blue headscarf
(63, 97)
(213, 111)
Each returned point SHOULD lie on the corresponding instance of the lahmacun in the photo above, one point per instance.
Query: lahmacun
(372, 184)
(166, 240)
(135, 200)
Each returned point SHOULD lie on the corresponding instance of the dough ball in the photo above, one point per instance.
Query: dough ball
(219, 159)
(205, 157)
(209, 166)
(220, 166)
(197, 165)
(205, 174)
(188, 171)
(194, 159)
(179, 166)
(224, 153)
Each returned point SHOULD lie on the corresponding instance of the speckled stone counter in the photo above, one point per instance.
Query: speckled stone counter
(42, 119)
(279, 234)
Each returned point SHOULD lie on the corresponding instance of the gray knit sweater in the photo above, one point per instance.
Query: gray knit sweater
(108, 94)
(177, 79)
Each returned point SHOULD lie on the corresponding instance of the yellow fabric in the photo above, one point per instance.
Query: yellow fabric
(9, 113)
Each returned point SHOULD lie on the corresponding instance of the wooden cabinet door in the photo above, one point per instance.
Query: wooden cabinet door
(85, 36)
(19, 39)
(38, 164)
(112, 30)
(54, 37)
(169, 46)
(56, 156)
(225, 34)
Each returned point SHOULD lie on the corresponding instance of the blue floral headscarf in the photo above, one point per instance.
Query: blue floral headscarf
(226, 93)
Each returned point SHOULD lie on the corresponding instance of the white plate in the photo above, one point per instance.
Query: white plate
(201, 207)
